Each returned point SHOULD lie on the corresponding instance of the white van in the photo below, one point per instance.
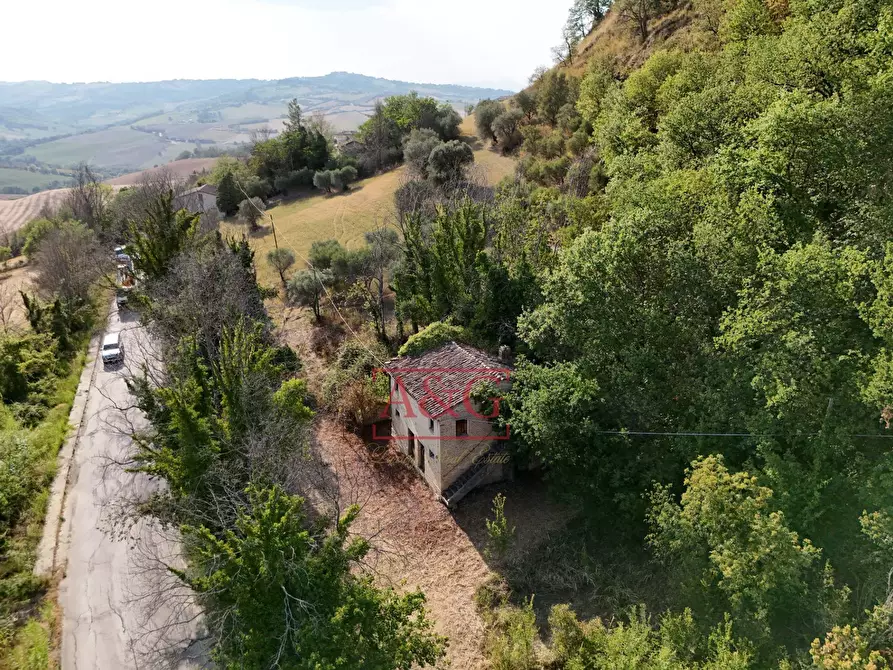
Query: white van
(112, 349)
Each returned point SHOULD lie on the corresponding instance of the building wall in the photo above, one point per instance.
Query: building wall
(445, 459)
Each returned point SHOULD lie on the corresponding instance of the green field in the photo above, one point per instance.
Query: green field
(116, 147)
(26, 179)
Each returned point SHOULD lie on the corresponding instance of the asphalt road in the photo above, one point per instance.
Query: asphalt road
(119, 608)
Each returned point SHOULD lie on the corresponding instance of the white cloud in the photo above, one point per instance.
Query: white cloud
(479, 42)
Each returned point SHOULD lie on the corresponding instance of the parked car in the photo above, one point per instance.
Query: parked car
(121, 298)
(112, 349)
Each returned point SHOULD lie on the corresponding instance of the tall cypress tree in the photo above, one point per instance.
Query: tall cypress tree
(228, 196)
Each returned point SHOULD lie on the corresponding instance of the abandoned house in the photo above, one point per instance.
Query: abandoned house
(451, 439)
(198, 199)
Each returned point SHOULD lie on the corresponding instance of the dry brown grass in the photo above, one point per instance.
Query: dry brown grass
(181, 169)
(16, 213)
(418, 543)
(19, 278)
(346, 217)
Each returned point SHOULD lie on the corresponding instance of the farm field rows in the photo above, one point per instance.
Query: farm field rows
(26, 179)
(115, 147)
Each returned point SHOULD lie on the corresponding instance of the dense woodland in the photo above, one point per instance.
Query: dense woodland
(694, 271)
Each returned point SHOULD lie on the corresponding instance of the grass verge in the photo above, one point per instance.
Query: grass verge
(29, 617)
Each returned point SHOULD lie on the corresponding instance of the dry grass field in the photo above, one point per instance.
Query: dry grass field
(181, 169)
(16, 213)
(12, 310)
(346, 217)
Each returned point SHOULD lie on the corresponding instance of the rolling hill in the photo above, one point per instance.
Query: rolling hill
(120, 128)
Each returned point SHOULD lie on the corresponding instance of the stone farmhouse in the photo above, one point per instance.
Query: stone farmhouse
(451, 440)
(199, 199)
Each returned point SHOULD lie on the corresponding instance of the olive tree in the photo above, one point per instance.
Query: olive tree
(251, 211)
(447, 161)
(484, 116)
(281, 260)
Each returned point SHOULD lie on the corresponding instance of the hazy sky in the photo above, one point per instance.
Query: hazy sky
(476, 42)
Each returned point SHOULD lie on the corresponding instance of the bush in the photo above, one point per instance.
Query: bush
(302, 178)
(349, 389)
(323, 181)
(512, 639)
(432, 336)
(348, 176)
(447, 161)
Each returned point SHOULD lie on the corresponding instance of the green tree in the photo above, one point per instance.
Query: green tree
(730, 547)
(251, 211)
(417, 150)
(348, 175)
(484, 115)
(228, 195)
(505, 127)
(276, 594)
(323, 181)
(295, 120)
(161, 236)
(526, 102)
(553, 93)
(447, 162)
(281, 259)
(308, 286)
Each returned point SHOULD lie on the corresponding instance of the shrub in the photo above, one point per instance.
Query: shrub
(323, 181)
(295, 179)
(447, 161)
(348, 176)
(432, 337)
(499, 535)
(511, 641)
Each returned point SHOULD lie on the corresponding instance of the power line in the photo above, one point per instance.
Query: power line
(316, 275)
(646, 433)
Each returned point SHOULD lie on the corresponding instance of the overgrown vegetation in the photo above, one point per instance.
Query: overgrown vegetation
(40, 366)
(269, 556)
(693, 262)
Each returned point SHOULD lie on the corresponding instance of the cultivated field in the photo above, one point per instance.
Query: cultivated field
(28, 180)
(16, 213)
(182, 169)
(115, 147)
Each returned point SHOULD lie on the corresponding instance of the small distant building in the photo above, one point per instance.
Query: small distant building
(451, 441)
(199, 199)
(344, 137)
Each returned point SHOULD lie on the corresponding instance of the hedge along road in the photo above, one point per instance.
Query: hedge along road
(120, 608)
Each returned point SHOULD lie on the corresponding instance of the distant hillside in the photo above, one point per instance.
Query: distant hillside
(124, 127)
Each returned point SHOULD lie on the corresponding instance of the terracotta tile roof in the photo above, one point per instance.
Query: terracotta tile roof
(447, 372)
